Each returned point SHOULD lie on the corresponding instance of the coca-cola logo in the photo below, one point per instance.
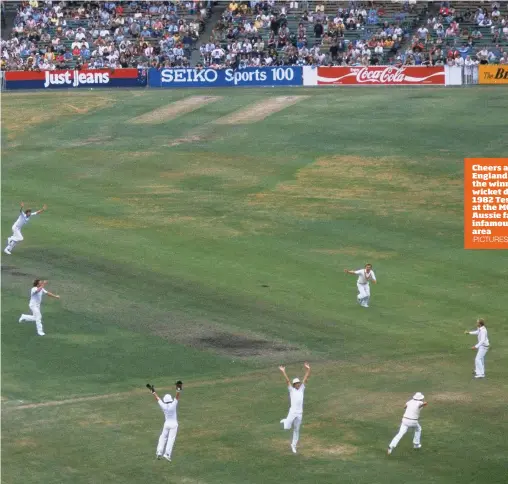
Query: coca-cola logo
(380, 75)
(389, 74)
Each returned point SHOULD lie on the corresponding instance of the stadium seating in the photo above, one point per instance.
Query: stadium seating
(462, 39)
(103, 34)
(353, 38)
(164, 34)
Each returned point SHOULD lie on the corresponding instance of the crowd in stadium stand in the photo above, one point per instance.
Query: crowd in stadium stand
(286, 33)
(60, 35)
(54, 35)
(471, 36)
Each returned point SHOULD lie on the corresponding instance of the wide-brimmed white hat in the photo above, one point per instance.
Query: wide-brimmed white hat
(296, 380)
(167, 398)
(418, 396)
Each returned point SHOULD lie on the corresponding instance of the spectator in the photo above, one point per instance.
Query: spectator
(318, 30)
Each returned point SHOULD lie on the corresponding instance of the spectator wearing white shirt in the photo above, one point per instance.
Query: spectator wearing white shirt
(410, 420)
(481, 347)
(484, 52)
(80, 35)
(217, 54)
(422, 32)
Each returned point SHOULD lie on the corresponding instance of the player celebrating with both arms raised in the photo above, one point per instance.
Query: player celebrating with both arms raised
(364, 277)
(23, 219)
(296, 391)
(170, 429)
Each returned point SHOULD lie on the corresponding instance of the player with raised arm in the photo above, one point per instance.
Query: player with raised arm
(168, 406)
(38, 290)
(24, 217)
(481, 348)
(296, 391)
(363, 283)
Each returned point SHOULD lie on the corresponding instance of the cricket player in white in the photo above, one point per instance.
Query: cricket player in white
(23, 218)
(296, 392)
(35, 305)
(410, 420)
(170, 429)
(364, 277)
(481, 347)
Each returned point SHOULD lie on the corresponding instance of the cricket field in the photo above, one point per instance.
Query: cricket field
(202, 235)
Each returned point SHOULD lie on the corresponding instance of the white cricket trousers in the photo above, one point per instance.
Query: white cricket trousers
(14, 238)
(404, 427)
(479, 361)
(35, 316)
(293, 420)
(16, 234)
(363, 293)
(167, 439)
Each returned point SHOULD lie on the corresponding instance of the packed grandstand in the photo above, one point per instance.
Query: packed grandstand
(51, 35)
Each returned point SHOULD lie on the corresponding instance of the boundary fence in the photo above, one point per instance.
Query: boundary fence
(276, 76)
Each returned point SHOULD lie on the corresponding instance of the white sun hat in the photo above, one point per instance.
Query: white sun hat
(296, 380)
(167, 398)
(418, 396)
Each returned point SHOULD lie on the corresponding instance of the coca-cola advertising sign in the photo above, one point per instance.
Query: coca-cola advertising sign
(381, 75)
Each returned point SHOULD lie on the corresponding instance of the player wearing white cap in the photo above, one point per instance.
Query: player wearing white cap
(296, 392)
(23, 218)
(481, 348)
(36, 294)
(170, 428)
(410, 420)
(363, 284)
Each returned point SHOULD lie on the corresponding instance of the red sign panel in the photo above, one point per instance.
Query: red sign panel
(381, 75)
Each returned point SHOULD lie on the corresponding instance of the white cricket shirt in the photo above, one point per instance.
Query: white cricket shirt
(36, 296)
(363, 277)
(483, 339)
(413, 409)
(22, 220)
(169, 410)
(296, 398)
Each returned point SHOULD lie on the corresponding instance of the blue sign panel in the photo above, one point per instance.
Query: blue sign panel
(249, 77)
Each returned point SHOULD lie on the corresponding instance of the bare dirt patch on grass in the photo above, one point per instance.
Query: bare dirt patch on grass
(25, 113)
(239, 345)
(311, 447)
(13, 271)
(25, 443)
(92, 140)
(205, 335)
(173, 110)
(115, 223)
(336, 184)
(452, 397)
(261, 110)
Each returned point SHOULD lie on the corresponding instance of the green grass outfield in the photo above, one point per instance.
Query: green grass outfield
(212, 253)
